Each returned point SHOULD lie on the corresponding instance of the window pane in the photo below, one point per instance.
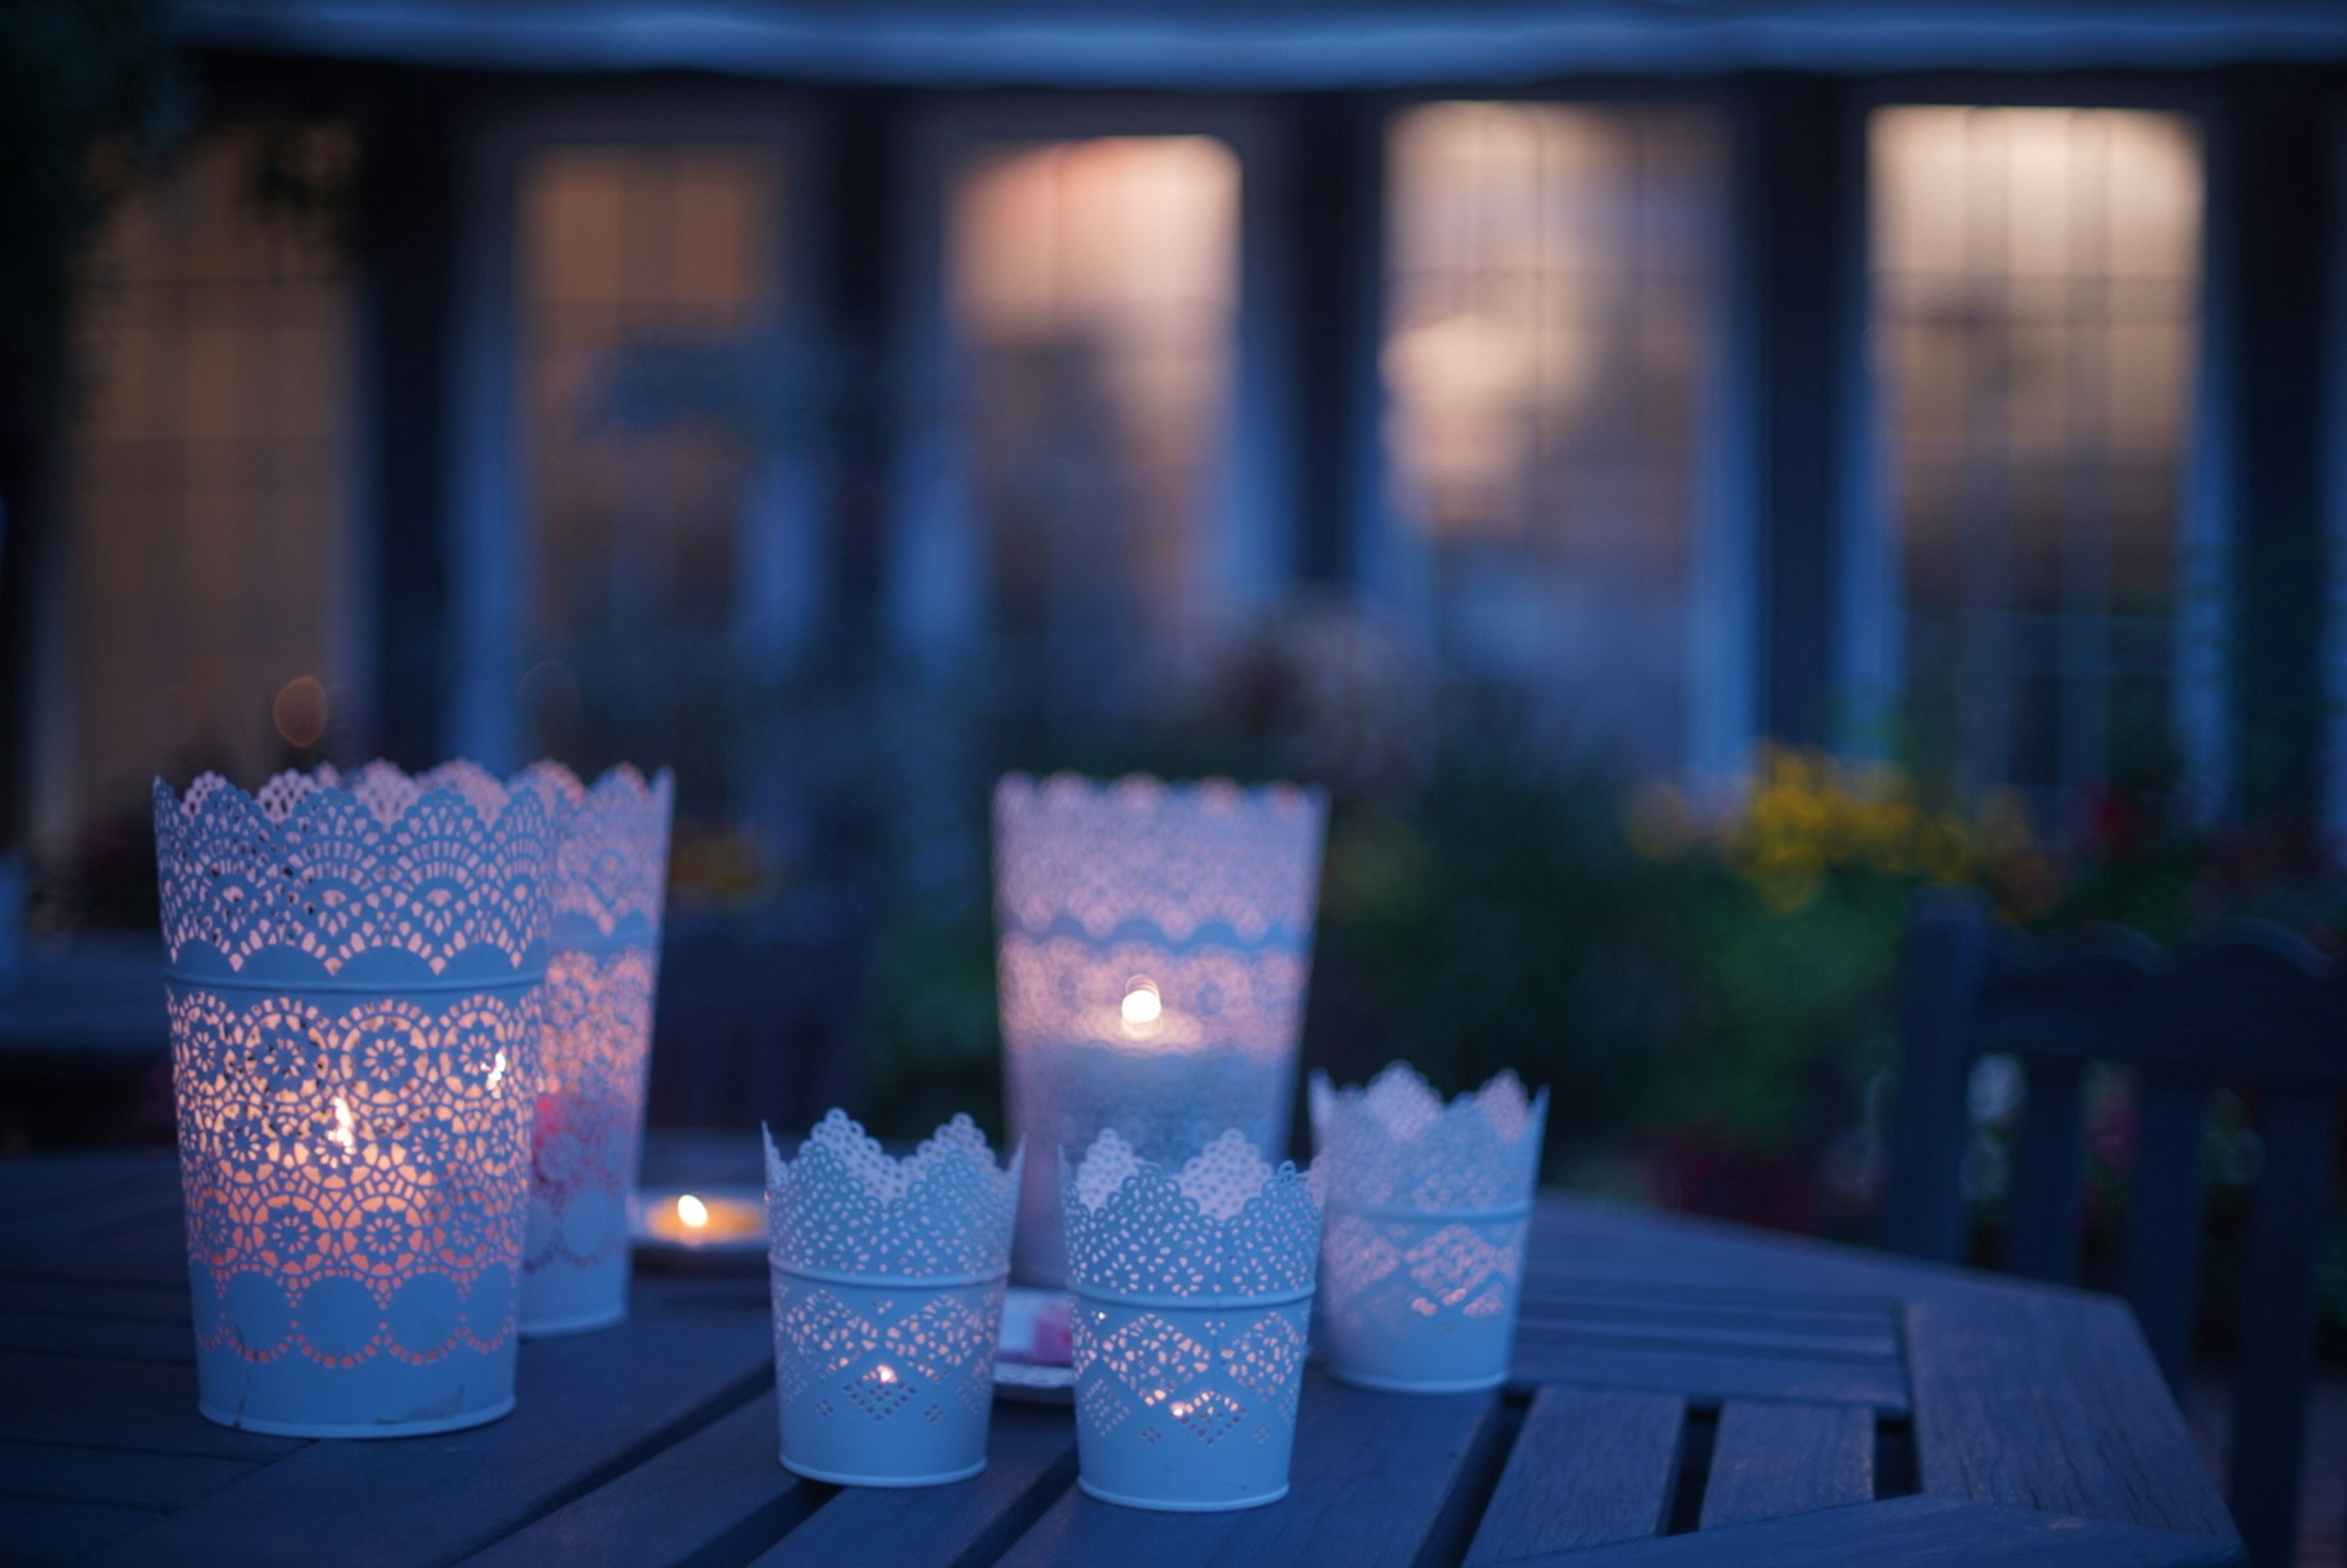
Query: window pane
(650, 377)
(1094, 286)
(208, 466)
(2036, 292)
(1546, 352)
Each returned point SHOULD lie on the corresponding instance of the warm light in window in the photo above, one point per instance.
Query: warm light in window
(693, 1212)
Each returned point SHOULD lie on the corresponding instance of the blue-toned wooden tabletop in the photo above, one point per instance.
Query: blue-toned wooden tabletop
(1685, 1392)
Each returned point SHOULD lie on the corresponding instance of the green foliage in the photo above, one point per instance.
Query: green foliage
(1497, 921)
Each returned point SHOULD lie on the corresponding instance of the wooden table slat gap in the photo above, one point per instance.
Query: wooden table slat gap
(718, 1496)
(1664, 1334)
(708, 1412)
(1559, 1283)
(1748, 1320)
(1585, 1467)
(1774, 1461)
(1692, 1476)
(1451, 1537)
(1712, 1377)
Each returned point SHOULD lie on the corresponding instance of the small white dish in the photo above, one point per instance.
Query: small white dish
(1032, 1364)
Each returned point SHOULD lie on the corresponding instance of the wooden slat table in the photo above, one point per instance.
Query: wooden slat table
(1688, 1393)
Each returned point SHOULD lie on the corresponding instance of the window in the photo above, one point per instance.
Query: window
(208, 470)
(1093, 286)
(1549, 342)
(2036, 287)
(652, 388)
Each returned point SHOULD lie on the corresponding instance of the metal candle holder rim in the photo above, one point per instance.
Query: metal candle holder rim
(274, 838)
(1411, 1140)
(1111, 1180)
(602, 902)
(1140, 789)
(1157, 824)
(838, 1157)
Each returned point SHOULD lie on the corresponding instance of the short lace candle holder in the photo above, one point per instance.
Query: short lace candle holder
(1427, 1208)
(1154, 943)
(355, 981)
(888, 1292)
(1192, 1304)
(611, 882)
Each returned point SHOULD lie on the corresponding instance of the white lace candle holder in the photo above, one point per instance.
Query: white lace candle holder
(1155, 940)
(1193, 1304)
(611, 882)
(354, 979)
(1428, 1204)
(888, 1294)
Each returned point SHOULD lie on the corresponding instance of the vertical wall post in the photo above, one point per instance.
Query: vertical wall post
(857, 402)
(408, 218)
(1798, 208)
(2274, 156)
(1334, 273)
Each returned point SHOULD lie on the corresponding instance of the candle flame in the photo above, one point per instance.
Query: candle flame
(1143, 1008)
(497, 1071)
(693, 1212)
(346, 1132)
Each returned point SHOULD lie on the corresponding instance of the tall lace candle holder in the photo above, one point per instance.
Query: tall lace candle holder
(1154, 945)
(354, 982)
(1428, 1209)
(1192, 1300)
(888, 1295)
(609, 889)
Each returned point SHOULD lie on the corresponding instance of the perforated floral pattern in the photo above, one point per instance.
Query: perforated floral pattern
(1180, 860)
(1396, 1144)
(355, 1001)
(590, 1105)
(882, 1352)
(1153, 950)
(1064, 988)
(1225, 1225)
(608, 891)
(1428, 1214)
(369, 1150)
(611, 869)
(888, 1295)
(846, 1207)
(453, 873)
(1392, 1274)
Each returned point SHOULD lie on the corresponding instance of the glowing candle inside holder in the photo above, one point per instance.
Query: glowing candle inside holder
(354, 979)
(1429, 1206)
(888, 1296)
(1193, 1292)
(1154, 945)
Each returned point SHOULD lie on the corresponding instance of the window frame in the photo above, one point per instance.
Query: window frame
(487, 516)
(1725, 586)
(936, 588)
(1869, 664)
(57, 795)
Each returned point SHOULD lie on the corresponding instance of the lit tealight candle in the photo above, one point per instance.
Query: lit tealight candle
(692, 1219)
(1142, 1006)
